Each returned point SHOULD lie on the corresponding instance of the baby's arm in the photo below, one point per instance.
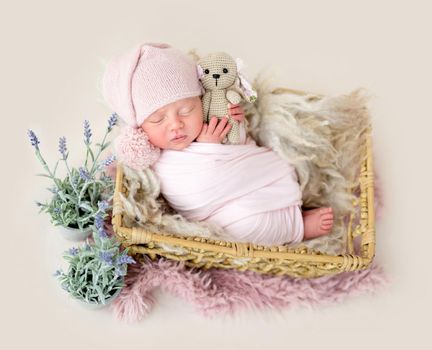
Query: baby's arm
(215, 131)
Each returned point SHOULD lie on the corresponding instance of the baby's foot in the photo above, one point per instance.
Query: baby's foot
(317, 222)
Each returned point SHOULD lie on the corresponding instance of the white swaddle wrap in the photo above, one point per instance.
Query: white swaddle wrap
(248, 190)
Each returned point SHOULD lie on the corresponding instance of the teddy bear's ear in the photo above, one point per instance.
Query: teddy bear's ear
(246, 87)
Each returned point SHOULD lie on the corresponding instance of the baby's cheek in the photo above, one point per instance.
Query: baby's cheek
(157, 139)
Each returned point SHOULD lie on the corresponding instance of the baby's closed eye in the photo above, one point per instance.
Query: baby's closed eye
(186, 111)
(157, 120)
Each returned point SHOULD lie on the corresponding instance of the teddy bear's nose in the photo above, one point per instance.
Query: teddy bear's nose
(216, 76)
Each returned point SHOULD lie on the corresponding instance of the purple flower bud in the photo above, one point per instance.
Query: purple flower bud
(84, 174)
(58, 273)
(103, 205)
(53, 190)
(106, 257)
(73, 251)
(108, 161)
(87, 132)
(125, 259)
(102, 233)
(33, 139)
(99, 222)
(57, 210)
(112, 121)
(62, 147)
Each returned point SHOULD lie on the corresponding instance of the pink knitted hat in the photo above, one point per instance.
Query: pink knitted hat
(147, 78)
(137, 84)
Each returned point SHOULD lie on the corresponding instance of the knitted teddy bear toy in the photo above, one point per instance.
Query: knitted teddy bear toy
(223, 84)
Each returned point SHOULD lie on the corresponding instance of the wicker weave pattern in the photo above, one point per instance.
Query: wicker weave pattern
(278, 260)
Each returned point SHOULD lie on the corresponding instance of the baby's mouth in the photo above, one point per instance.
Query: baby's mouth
(178, 138)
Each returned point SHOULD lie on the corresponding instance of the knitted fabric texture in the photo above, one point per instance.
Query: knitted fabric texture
(324, 139)
(132, 147)
(218, 73)
(147, 78)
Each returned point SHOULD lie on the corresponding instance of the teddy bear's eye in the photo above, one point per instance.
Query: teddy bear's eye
(206, 71)
(225, 70)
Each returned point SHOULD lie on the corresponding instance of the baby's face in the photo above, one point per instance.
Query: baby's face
(175, 125)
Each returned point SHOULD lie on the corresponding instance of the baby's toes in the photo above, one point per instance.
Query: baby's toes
(326, 227)
(327, 217)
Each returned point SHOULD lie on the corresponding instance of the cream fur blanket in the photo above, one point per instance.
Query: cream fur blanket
(324, 138)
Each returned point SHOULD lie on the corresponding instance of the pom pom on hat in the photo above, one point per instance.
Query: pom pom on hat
(134, 149)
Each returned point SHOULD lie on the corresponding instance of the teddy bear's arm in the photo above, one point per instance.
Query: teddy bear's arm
(206, 106)
(233, 97)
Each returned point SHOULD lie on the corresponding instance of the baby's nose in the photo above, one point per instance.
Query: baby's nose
(216, 76)
(176, 122)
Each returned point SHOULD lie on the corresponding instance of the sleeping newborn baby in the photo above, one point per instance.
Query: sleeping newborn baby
(246, 189)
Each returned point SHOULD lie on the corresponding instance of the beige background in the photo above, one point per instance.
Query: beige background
(52, 56)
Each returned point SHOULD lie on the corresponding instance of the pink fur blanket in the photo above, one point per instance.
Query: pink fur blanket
(216, 291)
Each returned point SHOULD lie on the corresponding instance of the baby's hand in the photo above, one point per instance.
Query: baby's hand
(236, 112)
(214, 131)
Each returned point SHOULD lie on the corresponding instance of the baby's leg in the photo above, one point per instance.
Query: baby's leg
(317, 222)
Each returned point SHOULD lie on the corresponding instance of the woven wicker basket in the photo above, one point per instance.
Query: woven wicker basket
(278, 260)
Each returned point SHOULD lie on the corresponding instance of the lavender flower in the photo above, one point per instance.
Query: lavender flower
(99, 224)
(58, 273)
(108, 161)
(62, 147)
(84, 174)
(125, 259)
(73, 251)
(87, 132)
(57, 210)
(106, 257)
(33, 139)
(103, 205)
(112, 121)
(53, 190)
(102, 233)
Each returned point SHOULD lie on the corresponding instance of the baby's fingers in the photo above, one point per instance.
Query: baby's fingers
(225, 131)
(204, 129)
(212, 124)
(221, 125)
